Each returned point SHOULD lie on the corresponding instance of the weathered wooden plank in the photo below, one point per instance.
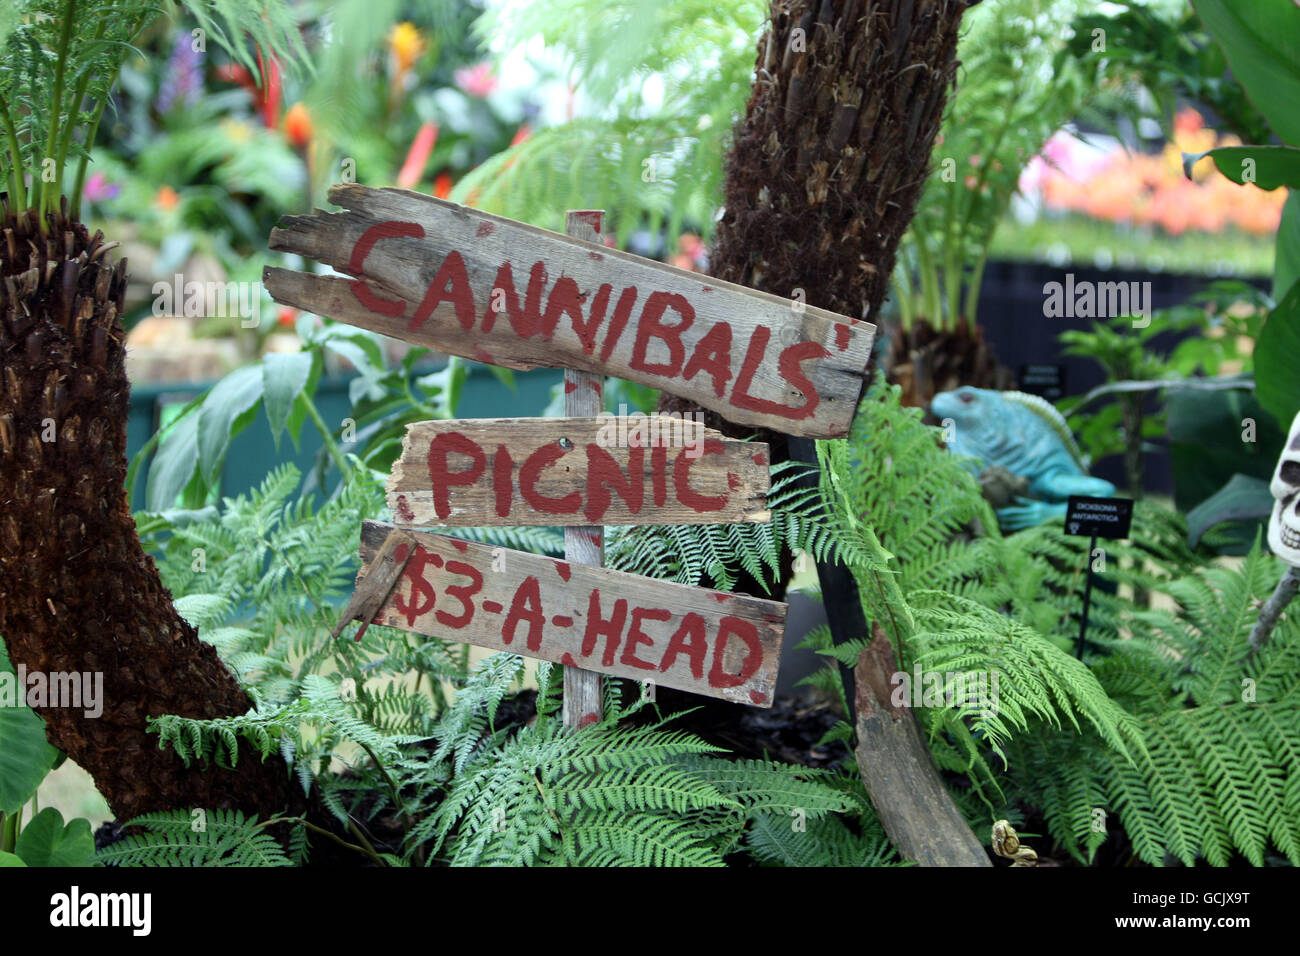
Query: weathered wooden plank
(584, 397)
(474, 472)
(701, 641)
(503, 292)
(375, 586)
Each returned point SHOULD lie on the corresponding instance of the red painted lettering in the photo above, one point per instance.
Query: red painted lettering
(737, 627)
(603, 473)
(531, 471)
(659, 473)
(357, 263)
(451, 284)
(636, 636)
(587, 330)
(441, 478)
(713, 355)
(526, 606)
(682, 479)
(788, 364)
(622, 313)
(502, 470)
(689, 640)
(462, 593)
(565, 299)
(612, 629)
(652, 326)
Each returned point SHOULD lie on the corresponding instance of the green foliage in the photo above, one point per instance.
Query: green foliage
(1219, 724)
(25, 756)
(59, 60)
(1019, 82)
(716, 554)
(1187, 739)
(219, 838)
(605, 795)
(430, 750)
(46, 841)
(646, 160)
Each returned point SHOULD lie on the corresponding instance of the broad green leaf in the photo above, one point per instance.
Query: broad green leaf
(1267, 167)
(1276, 381)
(47, 842)
(1241, 499)
(1261, 39)
(298, 414)
(173, 464)
(284, 376)
(10, 859)
(1286, 268)
(25, 755)
(227, 410)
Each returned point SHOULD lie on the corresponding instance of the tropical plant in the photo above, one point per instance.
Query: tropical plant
(1019, 82)
(62, 361)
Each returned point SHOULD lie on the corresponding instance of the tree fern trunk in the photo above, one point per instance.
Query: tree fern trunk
(832, 154)
(822, 181)
(77, 592)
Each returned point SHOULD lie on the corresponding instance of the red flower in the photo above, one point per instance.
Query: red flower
(418, 156)
(297, 126)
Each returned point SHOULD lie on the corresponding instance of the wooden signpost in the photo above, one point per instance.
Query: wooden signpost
(707, 642)
(479, 286)
(571, 471)
(502, 292)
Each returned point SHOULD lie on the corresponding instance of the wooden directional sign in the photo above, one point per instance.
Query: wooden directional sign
(706, 642)
(576, 471)
(499, 291)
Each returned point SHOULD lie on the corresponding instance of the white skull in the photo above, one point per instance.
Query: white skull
(1284, 526)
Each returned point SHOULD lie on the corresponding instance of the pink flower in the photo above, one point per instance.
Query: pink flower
(476, 80)
(98, 188)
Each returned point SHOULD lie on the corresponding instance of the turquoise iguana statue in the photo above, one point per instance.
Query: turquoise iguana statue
(1027, 437)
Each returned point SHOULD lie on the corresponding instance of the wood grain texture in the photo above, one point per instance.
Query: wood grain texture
(567, 472)
(702, 641)
(584, 397)
(368, 596)
(911, 799)
(498, 291)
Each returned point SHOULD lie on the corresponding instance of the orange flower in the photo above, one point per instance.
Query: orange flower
(166, 199)
(406, 45)
(442, 185)
(297, 126)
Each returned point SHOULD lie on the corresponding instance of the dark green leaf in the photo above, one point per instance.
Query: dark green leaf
(1267, 167)
(1242, 498)
(284, 376)
(47, 842)
(1276, 380)
(25, 755)
(1261, 39)
(227, 410)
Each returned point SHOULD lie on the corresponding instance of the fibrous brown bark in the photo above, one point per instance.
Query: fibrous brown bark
(77, 592)
(924, 361)
(832, 154)
(822, 181)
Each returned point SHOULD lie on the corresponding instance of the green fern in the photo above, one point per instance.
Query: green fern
(201, 838)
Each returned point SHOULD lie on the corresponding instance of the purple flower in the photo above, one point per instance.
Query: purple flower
(98, 188)
(183, 79)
